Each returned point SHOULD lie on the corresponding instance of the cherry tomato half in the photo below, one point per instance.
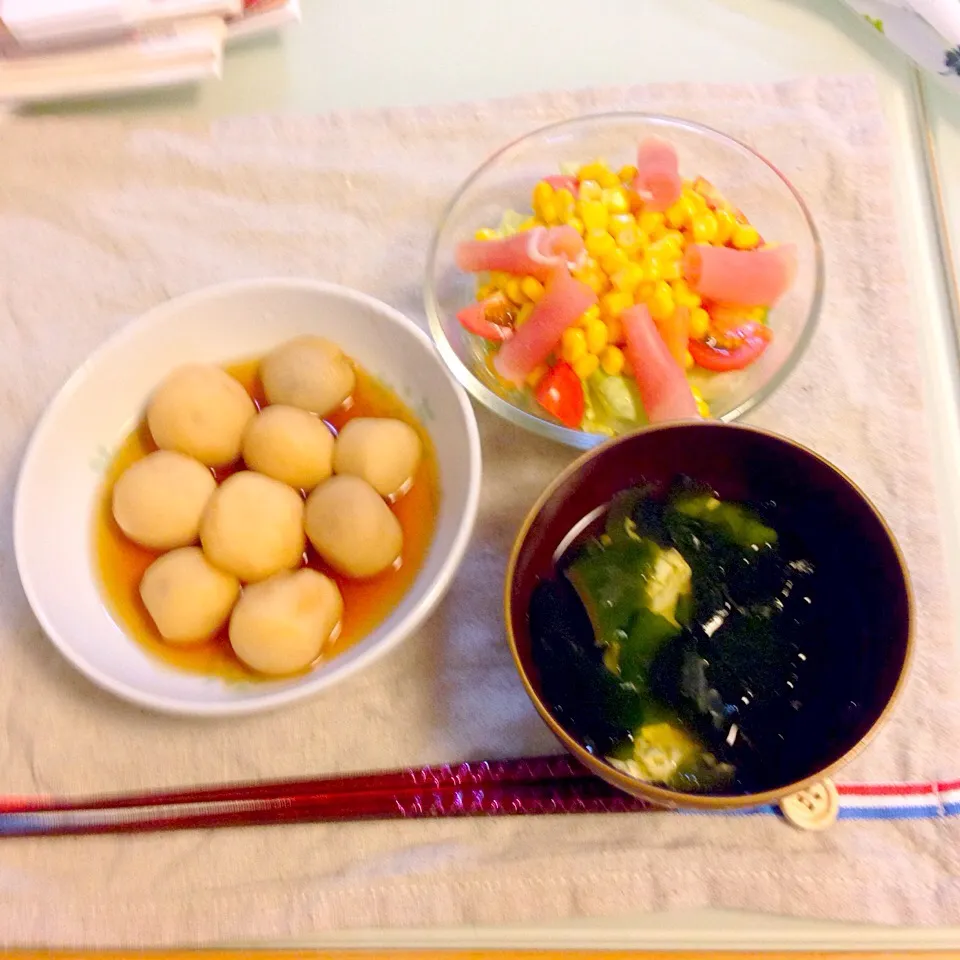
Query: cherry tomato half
(476, 319)
(753, 338)
(560, 393)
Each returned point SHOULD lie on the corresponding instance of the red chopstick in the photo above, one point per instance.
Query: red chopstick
(524, 786)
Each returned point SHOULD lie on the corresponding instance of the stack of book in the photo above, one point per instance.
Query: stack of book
(58, 49)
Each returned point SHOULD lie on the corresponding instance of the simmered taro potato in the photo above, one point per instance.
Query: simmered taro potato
(187, 597)
(381, 450)
(158, 501)
(202, 411)
(281, 624)
(253, 526)
(308, 372)
(352, 528)
(290, 445)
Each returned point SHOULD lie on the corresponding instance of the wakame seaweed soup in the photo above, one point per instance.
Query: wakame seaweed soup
(679, 639)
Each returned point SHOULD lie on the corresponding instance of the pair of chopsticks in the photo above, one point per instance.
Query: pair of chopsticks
(525, 786)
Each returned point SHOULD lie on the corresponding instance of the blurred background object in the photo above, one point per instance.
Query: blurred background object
(59, 49)
(928, 31)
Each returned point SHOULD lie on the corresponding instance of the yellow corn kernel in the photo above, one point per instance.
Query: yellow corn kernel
(586, 366)
(596, 334)
(612, 304)
(577, 225)
(661, 304)
(704, 228)
(591, 313)
(702, 407)
(566, 205)
(614, 330)
(592, 276)
(523, 314)
(589, 190)
(652, 267)
(651, 221)
(681, 213)
(688, 361)
(627, 174)
(615, 200)
(514, 291)
(542, 192)
(663, 249)
(611, 360)
(673, 238)
(486, 233)
(599, 243)
(671, 270)
(757, 314)
(486, 290)
(726, 224)
(620, 221)
(631, 240)
(500, 280)
(592, 171)
(629, 277)
(745, 236)
(614, 262)
(699, 323)
(698, 200)
(529, 224)
(537, 374)
(609, 180)
(645, 291)
(531, 288)
(594, 214)
(548, 212)
(573, 344)
(654, 224)
(683, 295)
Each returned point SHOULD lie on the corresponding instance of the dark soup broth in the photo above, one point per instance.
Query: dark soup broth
(682, 638)
(120, 563)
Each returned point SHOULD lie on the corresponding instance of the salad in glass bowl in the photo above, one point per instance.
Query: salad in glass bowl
(607, 295)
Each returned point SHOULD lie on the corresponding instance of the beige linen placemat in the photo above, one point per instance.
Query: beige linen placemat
(99, 221)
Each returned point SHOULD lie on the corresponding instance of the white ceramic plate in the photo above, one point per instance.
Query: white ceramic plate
(62, 473)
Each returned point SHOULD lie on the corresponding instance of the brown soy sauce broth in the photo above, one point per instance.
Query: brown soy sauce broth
(790, 688)
(120, 563)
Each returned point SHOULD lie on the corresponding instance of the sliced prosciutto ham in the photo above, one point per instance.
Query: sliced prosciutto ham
(536, 253)
(662, 384)
(657, 182)
(564, 301)
(750, 277)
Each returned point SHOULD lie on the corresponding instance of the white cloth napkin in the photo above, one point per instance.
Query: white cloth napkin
(100, 221)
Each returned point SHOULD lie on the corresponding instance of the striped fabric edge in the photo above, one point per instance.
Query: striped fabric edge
(877, 801)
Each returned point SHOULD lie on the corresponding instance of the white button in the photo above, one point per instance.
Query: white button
(814, 808)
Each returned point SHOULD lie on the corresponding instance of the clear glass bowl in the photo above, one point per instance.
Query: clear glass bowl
(505, 181)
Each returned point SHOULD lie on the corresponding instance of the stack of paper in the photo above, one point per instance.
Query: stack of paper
(54, 49)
